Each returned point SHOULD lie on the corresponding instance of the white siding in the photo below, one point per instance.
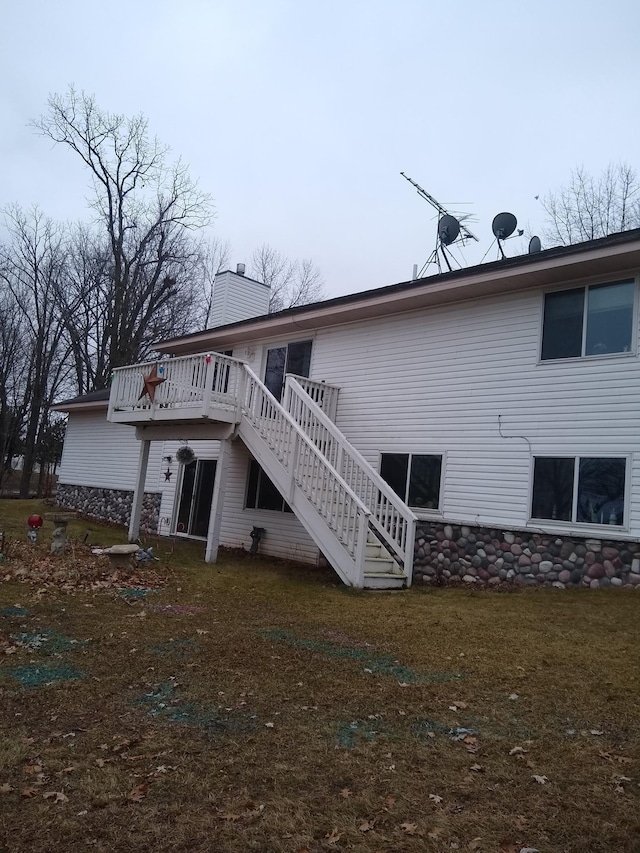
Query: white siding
(237, 298)
(436, 381)
(285, 537)
(100, 454)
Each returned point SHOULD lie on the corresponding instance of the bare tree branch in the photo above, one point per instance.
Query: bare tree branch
(588, 207)
(292, 283)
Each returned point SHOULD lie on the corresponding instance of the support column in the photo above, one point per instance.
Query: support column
(217, 501)
(138, 494)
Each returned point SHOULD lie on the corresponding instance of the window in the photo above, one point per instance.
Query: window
(294, 358)
(585, 489)
(413, 477)
(592, 320)
(261, 493)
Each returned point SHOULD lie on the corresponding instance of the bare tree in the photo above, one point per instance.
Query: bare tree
(147, 207)
(33, 270)
(292, 283)
(13, 360)
(591, 207)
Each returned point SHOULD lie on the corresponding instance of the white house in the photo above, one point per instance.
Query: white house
(479, 424)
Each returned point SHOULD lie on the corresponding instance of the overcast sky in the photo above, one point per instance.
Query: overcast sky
(298, 116)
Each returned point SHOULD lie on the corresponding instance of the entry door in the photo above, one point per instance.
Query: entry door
(194, 500)
(293, 358)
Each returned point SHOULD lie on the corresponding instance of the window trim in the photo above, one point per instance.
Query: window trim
(633, 351)
(419, 510)
(586, 526)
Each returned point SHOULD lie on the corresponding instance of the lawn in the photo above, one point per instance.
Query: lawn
(253, 705)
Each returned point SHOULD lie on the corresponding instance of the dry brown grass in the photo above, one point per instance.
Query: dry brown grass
(274, 710)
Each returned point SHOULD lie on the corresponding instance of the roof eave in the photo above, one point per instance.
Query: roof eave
(617, 258)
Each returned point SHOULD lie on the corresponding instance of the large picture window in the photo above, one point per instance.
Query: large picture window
(585, 489)
(413, 477)
(584, 321)
(261, 492)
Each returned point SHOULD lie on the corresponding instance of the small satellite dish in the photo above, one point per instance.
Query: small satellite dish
(503, 225)
(534, 245)
(448, 229)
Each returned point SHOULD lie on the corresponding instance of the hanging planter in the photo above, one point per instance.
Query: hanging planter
(185, 455)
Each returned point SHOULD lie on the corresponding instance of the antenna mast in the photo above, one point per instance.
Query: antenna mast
(464, 231)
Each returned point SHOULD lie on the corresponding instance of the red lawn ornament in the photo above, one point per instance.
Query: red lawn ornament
(35, 521)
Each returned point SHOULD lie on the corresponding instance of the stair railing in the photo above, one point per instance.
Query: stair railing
(308, 470)
(390, 517)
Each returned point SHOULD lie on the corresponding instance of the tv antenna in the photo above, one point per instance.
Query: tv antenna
(451, 229)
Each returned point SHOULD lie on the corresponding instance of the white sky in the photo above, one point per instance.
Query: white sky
(299, 116)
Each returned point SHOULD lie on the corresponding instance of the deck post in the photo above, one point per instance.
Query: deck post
(138, 493)
(217, 502)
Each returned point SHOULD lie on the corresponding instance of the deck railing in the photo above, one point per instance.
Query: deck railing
(390, 516)
(325, 396)
(189, 382)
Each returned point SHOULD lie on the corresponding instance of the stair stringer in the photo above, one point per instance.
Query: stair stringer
(324, 537)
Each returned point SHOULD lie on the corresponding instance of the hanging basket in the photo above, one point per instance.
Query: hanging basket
(185, 455)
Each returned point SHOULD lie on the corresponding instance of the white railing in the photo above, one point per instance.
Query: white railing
(389, 515)
(325, 396)
(189, 382)
(308, 469)
(346, 493)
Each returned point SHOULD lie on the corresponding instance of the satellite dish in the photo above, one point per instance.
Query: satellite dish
(448, 229)
(503, 225)
(534, 245)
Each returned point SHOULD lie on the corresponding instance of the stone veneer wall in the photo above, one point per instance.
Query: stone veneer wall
(110, 504)
(488, 556)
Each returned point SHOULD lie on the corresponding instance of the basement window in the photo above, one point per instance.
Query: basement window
(413, 477)
(588, 321)
(584, 489)
(261, 492)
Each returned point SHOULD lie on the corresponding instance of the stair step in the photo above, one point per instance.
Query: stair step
(384, 580)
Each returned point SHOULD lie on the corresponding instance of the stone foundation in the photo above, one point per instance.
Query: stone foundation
(112, 505)
(486, 556)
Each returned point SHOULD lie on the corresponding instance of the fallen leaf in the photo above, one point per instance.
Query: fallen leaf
(477, 768)
(596, 732)
(436, 799)
(138, 793)
(56, 796)
(345, 792)
(333, 837)
(201, 631)
(513, 697)
(268, 725)
(33, 768)
(6, 788)
(390, 801)
(29, 792)
(232, 818)
(541, 780)
(366, 825)
(517, 750)
(475, 843)
(409, 828)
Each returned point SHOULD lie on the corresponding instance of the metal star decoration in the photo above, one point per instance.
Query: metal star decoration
(167, 475)
(151, 382)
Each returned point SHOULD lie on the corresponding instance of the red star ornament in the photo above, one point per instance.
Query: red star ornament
(151, 382)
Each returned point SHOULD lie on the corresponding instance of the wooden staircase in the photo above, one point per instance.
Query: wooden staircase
(359, 524)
